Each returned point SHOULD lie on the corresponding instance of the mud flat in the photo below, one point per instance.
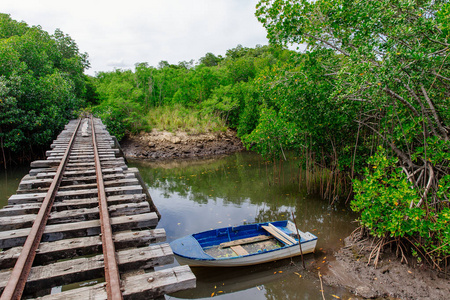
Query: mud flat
(161, 145)
(390, 280)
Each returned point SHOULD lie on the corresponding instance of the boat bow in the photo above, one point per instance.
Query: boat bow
(189, 247)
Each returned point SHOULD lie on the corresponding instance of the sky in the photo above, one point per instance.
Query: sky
(119, 34)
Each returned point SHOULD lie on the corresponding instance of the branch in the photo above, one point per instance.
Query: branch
(397, 151)
(440, 76)
(414, 95)
(435, 41)
(433, 111)
(398, 97)
(328, 43)
(438, 52)
(430, 181)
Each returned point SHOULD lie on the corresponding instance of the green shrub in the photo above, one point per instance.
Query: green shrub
(389, 207)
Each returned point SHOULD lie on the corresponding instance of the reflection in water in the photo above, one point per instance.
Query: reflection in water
(237, 189)
(9, 182)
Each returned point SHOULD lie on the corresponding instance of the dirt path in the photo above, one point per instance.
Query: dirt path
(390, 280)
(160, 145)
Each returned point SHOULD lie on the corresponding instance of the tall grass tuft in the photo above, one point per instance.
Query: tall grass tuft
(179, 118)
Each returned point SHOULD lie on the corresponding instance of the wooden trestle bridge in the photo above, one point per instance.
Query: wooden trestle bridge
(82, 215)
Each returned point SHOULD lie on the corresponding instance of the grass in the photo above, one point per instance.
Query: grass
(179, 118)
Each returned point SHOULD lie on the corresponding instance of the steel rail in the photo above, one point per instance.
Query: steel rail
(112, 276)
(19, 275)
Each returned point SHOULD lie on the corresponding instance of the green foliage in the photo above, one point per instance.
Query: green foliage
(272, 134)
(179, 118)
(41, 84)
(387, 84)
(210, 60)
(384, 198)
(216, 88)
(389, 206)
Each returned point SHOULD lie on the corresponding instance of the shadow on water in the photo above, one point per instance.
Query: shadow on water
(241, 188)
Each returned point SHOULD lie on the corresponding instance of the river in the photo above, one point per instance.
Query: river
(194, 196)
(198, 195)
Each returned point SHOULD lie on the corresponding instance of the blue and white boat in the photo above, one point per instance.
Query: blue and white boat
(243, 245)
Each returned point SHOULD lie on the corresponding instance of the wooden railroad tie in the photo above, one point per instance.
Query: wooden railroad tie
(70, 248)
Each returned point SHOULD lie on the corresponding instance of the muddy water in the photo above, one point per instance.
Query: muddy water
(204, 194)
(241, 188)
(9, 181)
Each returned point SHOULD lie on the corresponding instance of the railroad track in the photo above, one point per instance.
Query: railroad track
(82, 215)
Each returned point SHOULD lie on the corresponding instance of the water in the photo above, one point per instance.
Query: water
(205, 194)
(9, 181)
(200, 195)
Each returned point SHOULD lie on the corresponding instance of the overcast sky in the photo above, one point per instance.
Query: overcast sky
(119, 34)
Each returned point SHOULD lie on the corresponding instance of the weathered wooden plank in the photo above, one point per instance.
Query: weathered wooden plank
(45, 163)
(35, 171)
(59, 142)
(70, 248)
(255, 239)
(65, 272)
(50, 173)
(159, 283)
(239, 250)
(277, 235)
(108, 184)
(56, 160)
(76, 215)
(61, 195)
(32, 208)
(84, 186)
(88, 157)
(31, 182)
(145, 286)
(86, 214)
(285, 235)
(14, 238)
(132, 189)
(57, 151)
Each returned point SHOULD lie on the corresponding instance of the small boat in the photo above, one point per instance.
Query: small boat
(242, 245)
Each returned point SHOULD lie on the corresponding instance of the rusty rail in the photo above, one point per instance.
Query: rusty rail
(112, 276)
(16, 283)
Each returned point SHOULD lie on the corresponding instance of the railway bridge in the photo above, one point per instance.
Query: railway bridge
(82, 216)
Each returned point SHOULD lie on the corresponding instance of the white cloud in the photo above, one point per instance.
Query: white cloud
(120, 63)
(118, 34)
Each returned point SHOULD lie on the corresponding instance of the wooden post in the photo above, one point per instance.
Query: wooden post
(299, 239)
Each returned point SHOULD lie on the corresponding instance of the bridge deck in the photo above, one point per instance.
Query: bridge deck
(70, 250)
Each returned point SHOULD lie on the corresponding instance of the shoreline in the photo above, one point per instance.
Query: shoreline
(164, 145)
(390, 280)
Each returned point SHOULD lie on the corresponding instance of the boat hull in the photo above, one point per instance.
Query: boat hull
(250, 260)
(221, 247)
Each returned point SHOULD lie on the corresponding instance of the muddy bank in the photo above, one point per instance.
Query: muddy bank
(161, 145)
(390, 280)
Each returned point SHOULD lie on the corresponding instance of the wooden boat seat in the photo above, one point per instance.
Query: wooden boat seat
(254, 239)
(239, 250)
(279, 235)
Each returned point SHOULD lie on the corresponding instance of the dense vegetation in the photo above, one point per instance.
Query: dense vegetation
(367, 101)
(392, 79)
(41, 84)
(198, 97)
(365, 106)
